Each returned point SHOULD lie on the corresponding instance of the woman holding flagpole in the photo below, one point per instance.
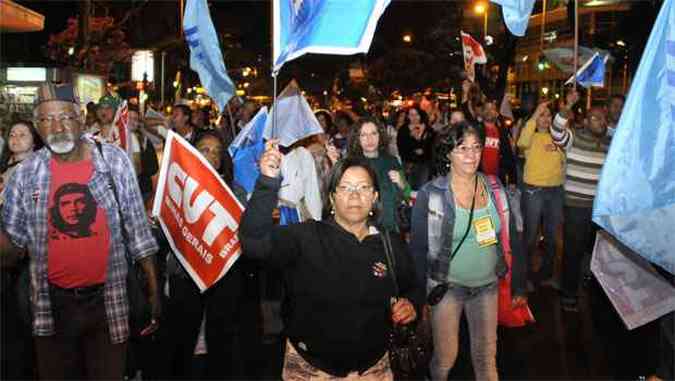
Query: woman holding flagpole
(341, 302)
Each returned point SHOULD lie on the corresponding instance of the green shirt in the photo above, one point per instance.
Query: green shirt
(390, 195)
(473, 266)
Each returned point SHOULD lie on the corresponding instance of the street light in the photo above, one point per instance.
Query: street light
(407, 38)
(482, 9)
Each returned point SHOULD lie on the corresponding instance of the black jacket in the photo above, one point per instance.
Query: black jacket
(338, 309)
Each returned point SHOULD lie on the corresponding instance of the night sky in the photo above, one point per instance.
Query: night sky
(250, 18)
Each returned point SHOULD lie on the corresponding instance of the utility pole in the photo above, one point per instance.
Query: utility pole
(83, 24)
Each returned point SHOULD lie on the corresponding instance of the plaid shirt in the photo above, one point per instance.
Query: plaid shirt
(24, 219)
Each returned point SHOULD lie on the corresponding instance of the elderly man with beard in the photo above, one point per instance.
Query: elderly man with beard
(78, 281)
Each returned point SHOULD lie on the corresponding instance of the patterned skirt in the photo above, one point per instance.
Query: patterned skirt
(297, 369)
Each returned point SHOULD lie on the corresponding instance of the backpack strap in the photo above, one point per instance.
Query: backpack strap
(502, 210)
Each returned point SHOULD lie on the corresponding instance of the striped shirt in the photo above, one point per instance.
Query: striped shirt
(24, 219)
(585, 157)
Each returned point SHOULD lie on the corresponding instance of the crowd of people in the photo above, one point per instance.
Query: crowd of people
(412, 218)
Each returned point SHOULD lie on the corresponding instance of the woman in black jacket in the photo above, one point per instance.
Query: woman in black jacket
(339, 287)
(415, 142)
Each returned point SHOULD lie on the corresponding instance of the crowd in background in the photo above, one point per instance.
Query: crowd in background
(374, 170)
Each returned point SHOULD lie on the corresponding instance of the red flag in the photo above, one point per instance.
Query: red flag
(473, 54)
(121, 123)
(198, 213)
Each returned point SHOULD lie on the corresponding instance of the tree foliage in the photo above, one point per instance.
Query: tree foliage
(107, 46)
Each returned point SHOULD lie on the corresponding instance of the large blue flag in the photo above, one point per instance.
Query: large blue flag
(592, 73)
(636, 194)
(516, 14)
(323, 26)
(293, 119)
(246, 149)
(205, 56)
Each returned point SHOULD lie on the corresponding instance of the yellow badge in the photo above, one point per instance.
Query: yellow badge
(485, 231)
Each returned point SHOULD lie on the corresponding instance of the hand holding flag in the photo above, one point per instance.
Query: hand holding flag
(473, 54)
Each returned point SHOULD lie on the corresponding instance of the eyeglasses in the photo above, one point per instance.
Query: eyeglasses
(63, 118)
(463, 150)
(360, 189)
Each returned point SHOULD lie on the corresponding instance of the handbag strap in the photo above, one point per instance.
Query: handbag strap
(502, 212)
(391, 262)
(468, 225)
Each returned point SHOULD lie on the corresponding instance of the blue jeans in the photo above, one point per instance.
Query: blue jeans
(480, 304)
(541, 203)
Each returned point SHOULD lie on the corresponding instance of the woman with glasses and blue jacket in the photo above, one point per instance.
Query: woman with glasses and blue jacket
(456, 226)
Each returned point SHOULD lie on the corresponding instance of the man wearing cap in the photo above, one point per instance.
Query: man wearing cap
(78, 281)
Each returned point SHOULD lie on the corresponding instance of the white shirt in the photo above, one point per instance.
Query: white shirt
(300, 182)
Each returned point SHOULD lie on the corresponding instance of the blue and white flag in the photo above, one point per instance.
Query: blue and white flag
(516, 14)
(635, 201)
(294, 118)
(205, 56)
(592, 73)
(246, 150)
(323, 26)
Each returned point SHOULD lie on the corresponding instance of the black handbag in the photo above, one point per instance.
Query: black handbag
(403, 216)
(410, 345)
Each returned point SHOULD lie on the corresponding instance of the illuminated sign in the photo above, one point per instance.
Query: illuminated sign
(27, 74)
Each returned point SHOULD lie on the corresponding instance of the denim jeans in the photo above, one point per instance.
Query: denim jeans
(480, 305)
(541, 203)
(579, 236)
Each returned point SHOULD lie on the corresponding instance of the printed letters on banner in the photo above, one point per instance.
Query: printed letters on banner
(639, 294)
(198, 213)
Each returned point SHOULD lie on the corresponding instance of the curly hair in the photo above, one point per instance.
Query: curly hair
(446, 143)
(354, 148)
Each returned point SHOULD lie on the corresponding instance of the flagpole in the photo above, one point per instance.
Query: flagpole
(576, 41)
(274, 108)
(229, 112)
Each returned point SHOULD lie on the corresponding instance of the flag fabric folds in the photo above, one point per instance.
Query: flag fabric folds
(473, 54)
(635, 201)
(323, 26)
(516, 14)
(205, 56)
(246, 149)
(121, 125)
(592, 73)
(294, 118)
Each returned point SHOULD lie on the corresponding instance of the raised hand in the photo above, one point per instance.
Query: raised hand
(270, 162)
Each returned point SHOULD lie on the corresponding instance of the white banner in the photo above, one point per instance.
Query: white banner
(639, 294)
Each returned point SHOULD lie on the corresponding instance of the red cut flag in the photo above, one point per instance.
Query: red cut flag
(198, 213)
(473, 54)
(122, 135)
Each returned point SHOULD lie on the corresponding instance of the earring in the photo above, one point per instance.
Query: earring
(370, 213)
(447, 165)
(332, 211)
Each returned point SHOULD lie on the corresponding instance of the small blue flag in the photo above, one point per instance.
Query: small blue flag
(246, 149)
(205, 56)
(635, 201)
(323, 26)
(295, 120)
(516, 14)
(592, 73)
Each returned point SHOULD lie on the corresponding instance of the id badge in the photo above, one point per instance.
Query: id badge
(485, 231)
